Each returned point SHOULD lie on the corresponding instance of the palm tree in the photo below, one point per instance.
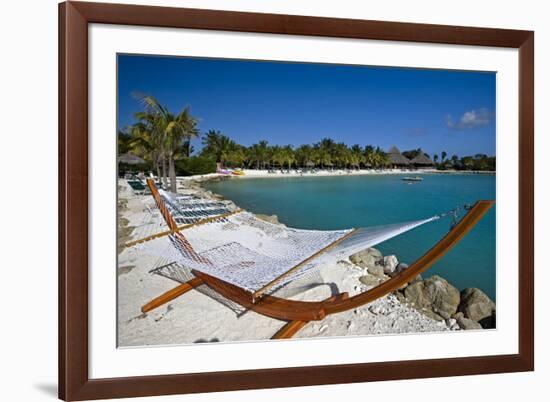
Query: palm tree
(324, 150)
(144, 143)
(357, 156)
(146, 134)
(436, 156)
(323, 157)
(171, 131)
(123, 140)
(304, 154)
(237, 155)
(455, 161)
(370, 156)
(443, 156)
(217, 146)
(259, 154)
(288, 153)
(278, 156)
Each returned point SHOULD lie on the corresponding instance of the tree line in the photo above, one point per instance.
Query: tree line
(326, 153)
(163, 140)
(478, 162)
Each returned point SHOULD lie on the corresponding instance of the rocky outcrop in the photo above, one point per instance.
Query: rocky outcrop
(376, 270)
(435, 295)
(369, 280)
(370, 257)
(489, 322)
(475, 304)
(465, 323)
(390, 263)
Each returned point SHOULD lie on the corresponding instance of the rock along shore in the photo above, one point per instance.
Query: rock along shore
(434, 297)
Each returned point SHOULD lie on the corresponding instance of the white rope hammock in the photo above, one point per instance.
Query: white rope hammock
(259, 256)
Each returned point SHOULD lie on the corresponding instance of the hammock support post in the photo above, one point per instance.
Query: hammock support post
(171, 294)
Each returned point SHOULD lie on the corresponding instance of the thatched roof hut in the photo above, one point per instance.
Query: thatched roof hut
(396, 158)
(421, 160)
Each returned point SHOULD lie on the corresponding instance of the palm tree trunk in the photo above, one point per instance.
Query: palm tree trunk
(157, 163)
(172, 172)
(164, 183)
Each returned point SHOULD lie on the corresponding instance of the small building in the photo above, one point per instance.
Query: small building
(397, 159)
(421, 161)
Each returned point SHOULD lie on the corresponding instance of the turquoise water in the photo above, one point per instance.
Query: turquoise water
(355, 201)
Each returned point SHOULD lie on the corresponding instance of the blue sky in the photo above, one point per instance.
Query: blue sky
(298, 103)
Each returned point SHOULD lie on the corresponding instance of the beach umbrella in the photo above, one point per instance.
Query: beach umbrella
(310, 164)
(130, 159)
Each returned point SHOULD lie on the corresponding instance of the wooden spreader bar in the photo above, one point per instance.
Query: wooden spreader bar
(181, 227)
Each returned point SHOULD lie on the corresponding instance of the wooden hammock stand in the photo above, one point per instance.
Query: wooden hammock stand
(298, 313)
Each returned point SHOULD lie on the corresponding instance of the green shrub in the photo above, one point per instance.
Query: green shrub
(195, 165)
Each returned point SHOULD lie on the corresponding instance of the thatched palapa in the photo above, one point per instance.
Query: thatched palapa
(397, 159)
(422, 161)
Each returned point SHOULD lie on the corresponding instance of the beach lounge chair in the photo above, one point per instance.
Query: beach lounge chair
(224, 254)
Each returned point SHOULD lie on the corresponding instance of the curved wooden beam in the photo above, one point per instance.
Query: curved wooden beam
(271, 306)
(422, 264)
(291, 328)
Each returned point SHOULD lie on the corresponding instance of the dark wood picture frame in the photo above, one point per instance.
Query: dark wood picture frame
(74, 381)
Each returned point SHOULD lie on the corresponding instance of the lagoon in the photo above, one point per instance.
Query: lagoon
(338, 202)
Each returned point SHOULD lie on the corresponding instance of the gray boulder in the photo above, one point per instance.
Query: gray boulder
(369, 280)
(417, 278)
(416, 295)
(489, 322)
(400, 296)
(466, 323)
(390, 264)
(367, 258)
(435, 294)
(475, 304)
(457, 315)
(399, 268)
(376, 270)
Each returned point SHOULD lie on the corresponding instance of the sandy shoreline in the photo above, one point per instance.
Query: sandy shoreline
(264, 174)
(196, 317)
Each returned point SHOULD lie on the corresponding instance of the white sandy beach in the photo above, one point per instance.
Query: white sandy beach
(265, 174)
(196, 317)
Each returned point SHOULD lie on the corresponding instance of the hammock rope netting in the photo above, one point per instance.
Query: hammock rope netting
(255, 255)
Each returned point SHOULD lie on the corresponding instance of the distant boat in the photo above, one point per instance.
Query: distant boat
(415, 178)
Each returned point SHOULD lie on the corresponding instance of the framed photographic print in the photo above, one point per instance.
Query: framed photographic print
(258, 200)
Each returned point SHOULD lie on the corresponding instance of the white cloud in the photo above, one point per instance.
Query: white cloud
(470, 119)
